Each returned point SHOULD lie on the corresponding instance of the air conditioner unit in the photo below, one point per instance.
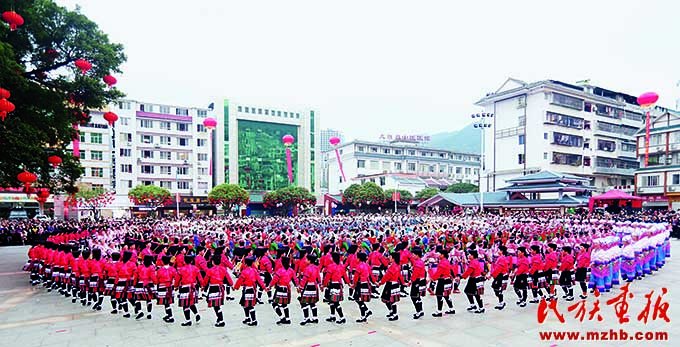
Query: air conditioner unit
(671, 188)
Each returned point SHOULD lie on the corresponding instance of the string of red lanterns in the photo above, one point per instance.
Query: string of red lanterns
(13, 19)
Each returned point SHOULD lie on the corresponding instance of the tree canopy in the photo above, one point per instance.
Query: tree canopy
(228, 195)
(427, 193)
(49, 93)
(368, 193)
(93, 200)
(462, 188)
(151, 196)
(289, 196)
(405, 196)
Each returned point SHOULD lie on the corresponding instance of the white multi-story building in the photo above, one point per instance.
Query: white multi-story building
(250, 151)
(400, 165)
(581, 129)
(657, 180)
(154, 144)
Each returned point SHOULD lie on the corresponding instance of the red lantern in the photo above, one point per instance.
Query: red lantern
(110, 80)
(648, 99)
(110, 117)
(5, 107)
(288, 140)
(210, 123)
(27, 178)
(28, 191)
(43, 193)
(4, 93)
(334, 141)
(54, 160)
(83, 65)
(13, 18)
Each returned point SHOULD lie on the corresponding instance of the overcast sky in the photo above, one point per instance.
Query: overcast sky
(372, 67)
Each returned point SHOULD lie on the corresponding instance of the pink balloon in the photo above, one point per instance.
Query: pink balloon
(648, 99)
(334, 140)
(288, 140)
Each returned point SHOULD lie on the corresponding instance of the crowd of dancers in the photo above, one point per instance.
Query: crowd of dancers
(137, 264)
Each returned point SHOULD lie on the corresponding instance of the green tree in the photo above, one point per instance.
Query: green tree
(349, 195)
(404, 195)
(371, 194)
(228, 195)
(151, 196)
(93, 200)
(49, 93)
(462, 188)
(427, 193)
(284, 198)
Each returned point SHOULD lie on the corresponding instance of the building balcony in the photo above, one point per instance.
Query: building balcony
(613, 170)
(650, 190)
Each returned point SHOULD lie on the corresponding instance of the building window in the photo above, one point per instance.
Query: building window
(124, 105)
(202, 171)
(129, 183)
(522, 120)
(520, 158)
(127, 137)
(124, 120)
(183, 156)
(266, 112)
(521, 139)
(182, 127)
(652, 181)
(182, 170)
(165, 125)
(586, 161)
(127, 168)
(146, 154)
(166, 170)
(147, 169)
(567, 140)
(607, 146)
(181, 111)
(97, 172)
(202, 156)
(373, 165)
(125, 152)
(278, 113)
(166, 184)
(545, 155)
(166, 155)
(627, 147)
(200, 128)
(360, 148)
(467, 170)
(183, 141)
(397, 166)
(240, 109)
(97, 155)
(411, 152)
(147, 183)
(563, 120)
(200, 142)
(459, 170)
(676, 178)
(566, 159)
(83, 139)
(166, 140)
(146, 123)
(398, 151)
(545, 136)
(374, 149)
(386, 150)
(147, 139)
(411, 167)
(567, 101)
(182, 185)
(202, 113)
(83, 154)
(164, 109)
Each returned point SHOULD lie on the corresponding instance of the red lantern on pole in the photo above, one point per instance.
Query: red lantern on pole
(4, 93)
(5, 107)
(288, 141)
(335, 141)
(110, 80)
(54, 160)
(13, 19)
(110, 117)
(83, 65)
(210, 123)
(647, 101)
(27, 178)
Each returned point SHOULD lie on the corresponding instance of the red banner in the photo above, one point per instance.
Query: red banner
(396, 196)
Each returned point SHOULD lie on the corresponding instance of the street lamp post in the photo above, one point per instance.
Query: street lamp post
(481, 124)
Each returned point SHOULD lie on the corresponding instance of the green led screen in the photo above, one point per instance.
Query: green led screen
(262, 155)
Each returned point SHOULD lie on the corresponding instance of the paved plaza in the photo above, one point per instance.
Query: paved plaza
(29, 316)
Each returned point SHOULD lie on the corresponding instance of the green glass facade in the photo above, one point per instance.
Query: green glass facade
(262, 155)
